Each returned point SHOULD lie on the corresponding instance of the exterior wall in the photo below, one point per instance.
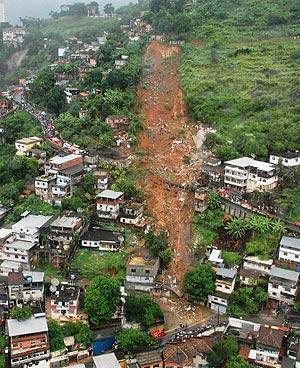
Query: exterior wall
(108, 210)
(101, 245)
(284, 294)
(23, 148)
(25, 294)
(248, 265)
(224, 286)
(217, 303)
(289, 254)
(29, 348)
(288, 162)
(131, 221)
(69, 309)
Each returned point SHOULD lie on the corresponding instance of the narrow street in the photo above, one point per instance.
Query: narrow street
(166, 141)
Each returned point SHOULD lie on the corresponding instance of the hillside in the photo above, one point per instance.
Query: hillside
(239, 72)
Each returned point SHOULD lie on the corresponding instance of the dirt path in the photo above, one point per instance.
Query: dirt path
(166, 140)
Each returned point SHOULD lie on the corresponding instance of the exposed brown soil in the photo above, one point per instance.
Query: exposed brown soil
(166, 140)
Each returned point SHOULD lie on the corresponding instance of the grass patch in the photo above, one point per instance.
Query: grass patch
(92, 263)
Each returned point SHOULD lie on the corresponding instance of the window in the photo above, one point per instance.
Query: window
(133, 270)
(147, 271)
(285, 253)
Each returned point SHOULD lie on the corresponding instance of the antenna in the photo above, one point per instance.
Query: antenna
(54, 282)
(53, 289)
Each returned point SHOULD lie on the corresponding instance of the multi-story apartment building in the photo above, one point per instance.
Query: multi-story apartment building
(289, 249)
(58, 236)
(59, 163)
(109, 204)
(247, 174)
(283, 286)
(28, 341)
(24, 287)
(28, 228)
(65, 302)
(141, 271)
(225, 282)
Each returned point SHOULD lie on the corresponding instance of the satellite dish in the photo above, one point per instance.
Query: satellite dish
(53, 289)
(55, 282)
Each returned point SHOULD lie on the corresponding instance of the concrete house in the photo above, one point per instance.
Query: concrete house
(247, 174)
(141, 271)
(109, 204)
(201, 200)
(131, 213)
(26, 144)
(28, 340)
(283, 286)
(24, 287)
(257, 264)
(225, 282)
(213, 169)
(65, 302)
(150, 359)
(287, 159)
(59, 163)
(269, 345)
(289, 249)
(103, 240)
(102, 179)
(117, 122)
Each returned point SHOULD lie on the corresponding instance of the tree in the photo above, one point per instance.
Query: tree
(131, 339)
(237, 227)
(246, 301)
(158, 245)
(142, 309)
(222, 352)
(214, 200)
(2, 361)
(101, 299)
(21, 314)
(108, 9)
(237, 362)
(3, 343)
(199, 282)
(89, 183)
(56, 336)
(259, 224)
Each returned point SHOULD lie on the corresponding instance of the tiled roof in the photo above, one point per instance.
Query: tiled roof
(271, 337)
(185, 351)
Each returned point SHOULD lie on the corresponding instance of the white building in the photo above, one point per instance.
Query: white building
(106, 361)
(26, 286)
(225, 282)
(103, 240)
(257, 264)
(109, 203)
(287, 159)
(65, 302)
(215, 258)
(250, 175)
(283, 285)
(131, 213)
(289, 249)
(28, 228)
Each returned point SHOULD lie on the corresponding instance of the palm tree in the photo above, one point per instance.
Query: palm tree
(259, 224)
(278, 226)
(214, 200)
(237, 227)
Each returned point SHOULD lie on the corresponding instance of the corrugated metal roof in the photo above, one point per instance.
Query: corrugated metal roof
(284, 274)
(31, 325)
(290, 242)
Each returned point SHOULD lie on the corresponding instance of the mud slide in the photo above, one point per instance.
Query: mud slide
(166, 141)
(16, 59)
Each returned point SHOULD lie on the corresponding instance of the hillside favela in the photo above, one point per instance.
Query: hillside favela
(150, 184)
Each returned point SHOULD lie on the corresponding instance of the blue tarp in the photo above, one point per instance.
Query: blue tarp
(99, 346)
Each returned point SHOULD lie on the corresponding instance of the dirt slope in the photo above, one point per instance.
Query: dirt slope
(166, 140)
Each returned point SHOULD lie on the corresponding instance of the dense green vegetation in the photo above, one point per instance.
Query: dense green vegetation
(199, 282)
(21, 313)
(247, 301)
(101, 299)
(142, 309)
(131, 339)
(15, 171)
(223, 352)
(81, 332)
